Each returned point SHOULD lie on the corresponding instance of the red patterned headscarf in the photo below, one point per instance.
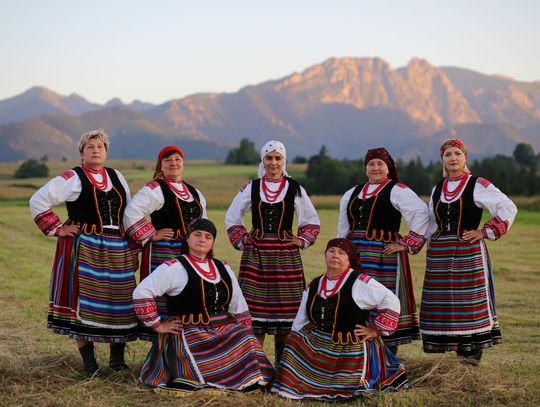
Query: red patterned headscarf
(455, 142)
(382, 154)
(348, 247)
(165, 152)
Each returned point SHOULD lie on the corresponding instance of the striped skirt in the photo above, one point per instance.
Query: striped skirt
(272, 280)
(314, 367)
(394, 272)
(458, 302)
(223, 354)
(91, 289)
(154, 254)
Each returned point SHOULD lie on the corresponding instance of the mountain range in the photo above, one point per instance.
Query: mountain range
(347, 104)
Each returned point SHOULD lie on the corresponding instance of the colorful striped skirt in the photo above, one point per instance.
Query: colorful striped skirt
(272, 280)
(458, 303)
(223, 354)
(314, 367)
(394, 272)
(91, 289)
(154, 254)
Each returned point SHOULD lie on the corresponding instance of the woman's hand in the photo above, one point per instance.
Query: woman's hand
(365, 332)
(295, 241)
(163, 234)
(172, 326)
(393, 248)
(473, 236)
(248, 241)
(69, 230)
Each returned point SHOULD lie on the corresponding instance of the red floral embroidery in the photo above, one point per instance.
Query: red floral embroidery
(498, 226)
(47, 221)
(68, 174)
(309, 233)
(413, 242)
(237, 233)
(152, 184)
(364, 277)
(170, 262)
(141, 230)
(399, 184)
(484, 182)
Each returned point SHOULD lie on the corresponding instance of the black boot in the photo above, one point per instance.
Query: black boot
(470, 357)
(116, 361)
(278, 350)
(91, 367)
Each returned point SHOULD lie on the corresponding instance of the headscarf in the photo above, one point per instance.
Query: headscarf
(382, 154)
(270, 147)
(348, 247)
(455, 142)
(202, 224)
(162, 154)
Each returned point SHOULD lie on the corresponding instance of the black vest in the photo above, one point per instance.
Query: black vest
(458, 216)
(376, 215)
(175, 213)
(94, 208)
(200, 299)
(338, 314)
(273, 217)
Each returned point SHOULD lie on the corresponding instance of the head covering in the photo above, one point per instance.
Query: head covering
(164, 151)
(202, 224)
(382, 154)
(269, 147)
(454, 142)
(348, 247)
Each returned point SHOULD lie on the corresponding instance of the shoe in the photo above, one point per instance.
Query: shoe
(91, 368)
(116, 359)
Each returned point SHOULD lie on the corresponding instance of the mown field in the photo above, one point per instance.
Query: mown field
(41, 369)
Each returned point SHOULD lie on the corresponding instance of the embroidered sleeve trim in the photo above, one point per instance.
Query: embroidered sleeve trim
(484, 182)
(68, 174)
(364, 277)
(47, 222)
(385, 322)
(309, 233)
(243, 318)
(413, 242)
(498, 226)
(146, 310)
(237, 235)
(141, 230)
(152, 184)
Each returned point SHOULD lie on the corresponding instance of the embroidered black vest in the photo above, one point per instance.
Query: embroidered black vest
(175, 213)
(458, 216)
(273, 217)
(94, 208)
(376, 215)
(338, 314)
(201, 299)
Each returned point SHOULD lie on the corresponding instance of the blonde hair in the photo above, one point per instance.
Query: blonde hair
(94, 134)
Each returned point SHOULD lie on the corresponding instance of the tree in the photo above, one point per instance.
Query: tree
(525, 157)
(32, 169)
(244, 154)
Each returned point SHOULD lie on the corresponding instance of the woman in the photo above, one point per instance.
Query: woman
(458, 303)
(208, 341)
(171, 205)
(370, 216)
(271, 273)
(93, 272)
(335, 350)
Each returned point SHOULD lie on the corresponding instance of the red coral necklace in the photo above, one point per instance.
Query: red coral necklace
(271, 196)
(366, 195)
(182, 193)
(339, 279)
(101, 185)
(211, 274)
(450, 196)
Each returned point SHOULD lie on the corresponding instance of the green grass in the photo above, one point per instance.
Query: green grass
(40, 368)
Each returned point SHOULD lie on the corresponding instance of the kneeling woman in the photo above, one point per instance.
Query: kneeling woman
(208, 341)
(335, 350)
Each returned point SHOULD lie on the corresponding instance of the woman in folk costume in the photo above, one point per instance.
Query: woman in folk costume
(207, 341)
(171, 204)
(93, 272)
(335, 349)
(271, 272)
(370, 216)
(458, 303)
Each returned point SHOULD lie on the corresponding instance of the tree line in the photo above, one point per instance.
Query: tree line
(514, 175)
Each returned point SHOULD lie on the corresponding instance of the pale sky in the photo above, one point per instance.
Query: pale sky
(160, 50)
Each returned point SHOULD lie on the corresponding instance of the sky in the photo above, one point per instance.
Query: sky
(156, 51)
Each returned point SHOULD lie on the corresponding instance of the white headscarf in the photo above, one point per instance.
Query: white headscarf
(270, 147)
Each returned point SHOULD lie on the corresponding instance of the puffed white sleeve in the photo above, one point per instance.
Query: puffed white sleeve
(238, 305)
(125, 185)
(202, 201)
(168, 278)
(501, 208)
(343, 221)
(235, 214)
(301, 318)
(309, 224)
(432, 224)
(149, 199)
(416, 215)
(63, 188)
(369, 294)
